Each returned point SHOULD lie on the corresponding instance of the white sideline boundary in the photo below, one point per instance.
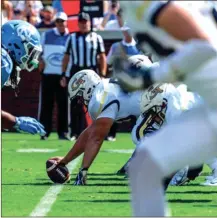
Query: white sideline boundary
(50, 196)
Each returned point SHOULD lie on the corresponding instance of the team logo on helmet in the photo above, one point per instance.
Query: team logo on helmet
(77, 83)
(24, 33)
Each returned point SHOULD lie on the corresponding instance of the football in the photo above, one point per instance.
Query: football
(57, 174)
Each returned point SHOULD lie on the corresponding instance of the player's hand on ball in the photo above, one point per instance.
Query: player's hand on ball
(57, 159)
(81, 178)
(29, 125)
(57, 172)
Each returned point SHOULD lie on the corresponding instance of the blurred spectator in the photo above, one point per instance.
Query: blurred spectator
(7, 11)
(110, 21)
(53, 42)
(31, 10)
(85, 47)
(47, 18)
(98, 20)
(18, 15)
(125, 48)
(14, 3)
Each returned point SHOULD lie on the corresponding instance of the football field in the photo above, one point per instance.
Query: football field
(27, 191)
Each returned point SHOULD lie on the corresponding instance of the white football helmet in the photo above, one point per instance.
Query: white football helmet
(138, 61)
(82, 84)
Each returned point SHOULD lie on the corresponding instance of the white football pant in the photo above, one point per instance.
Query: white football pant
(189, 140)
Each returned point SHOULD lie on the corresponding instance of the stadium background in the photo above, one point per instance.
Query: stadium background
(27, 100)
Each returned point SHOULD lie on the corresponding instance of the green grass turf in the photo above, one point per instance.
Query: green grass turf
(24, 182)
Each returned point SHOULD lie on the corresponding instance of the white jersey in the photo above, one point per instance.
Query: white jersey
(156, 40)
(108, 100)
(169, 103)
(158, 105)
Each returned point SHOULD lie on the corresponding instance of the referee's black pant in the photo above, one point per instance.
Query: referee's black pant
(50, 91)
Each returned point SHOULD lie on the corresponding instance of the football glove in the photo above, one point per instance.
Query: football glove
(81, 178)
(29, 125)
(131, 77)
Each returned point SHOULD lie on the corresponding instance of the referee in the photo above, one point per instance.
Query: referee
(86, 50)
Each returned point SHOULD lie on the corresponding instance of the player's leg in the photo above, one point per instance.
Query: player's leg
(191, 139)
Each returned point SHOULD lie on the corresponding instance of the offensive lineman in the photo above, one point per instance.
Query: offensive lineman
(20, 50)
(189, 41)
(106, 103)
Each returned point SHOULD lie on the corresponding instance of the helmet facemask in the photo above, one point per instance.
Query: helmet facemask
(30, 61)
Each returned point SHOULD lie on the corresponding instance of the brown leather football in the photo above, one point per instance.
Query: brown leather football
(57, 173)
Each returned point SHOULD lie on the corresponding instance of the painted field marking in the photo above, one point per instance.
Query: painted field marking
(122, 151)
(45, 204)
(36, 150)
(50, 196)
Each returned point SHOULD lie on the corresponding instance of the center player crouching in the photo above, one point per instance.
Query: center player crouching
(107, 103)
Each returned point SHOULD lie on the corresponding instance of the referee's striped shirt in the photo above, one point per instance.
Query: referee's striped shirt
(84, 48)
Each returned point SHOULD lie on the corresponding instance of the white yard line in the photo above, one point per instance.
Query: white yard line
(122, 151)
(45, 204)
(36, 150)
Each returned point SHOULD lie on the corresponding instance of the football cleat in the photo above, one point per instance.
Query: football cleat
(180, 178)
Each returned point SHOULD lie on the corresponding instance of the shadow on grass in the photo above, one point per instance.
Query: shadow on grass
(127, 200)
(101, 201)
(32, 184)
(192, 192)
(106, 179)
(189, 201)
(113, 193)
(107, 184)
(97, 174)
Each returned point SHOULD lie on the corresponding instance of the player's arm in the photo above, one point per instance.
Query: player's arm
(24, 124)
(8, 120)
(189, 58)
(173, 16)
(176, 21)
(89, 142)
